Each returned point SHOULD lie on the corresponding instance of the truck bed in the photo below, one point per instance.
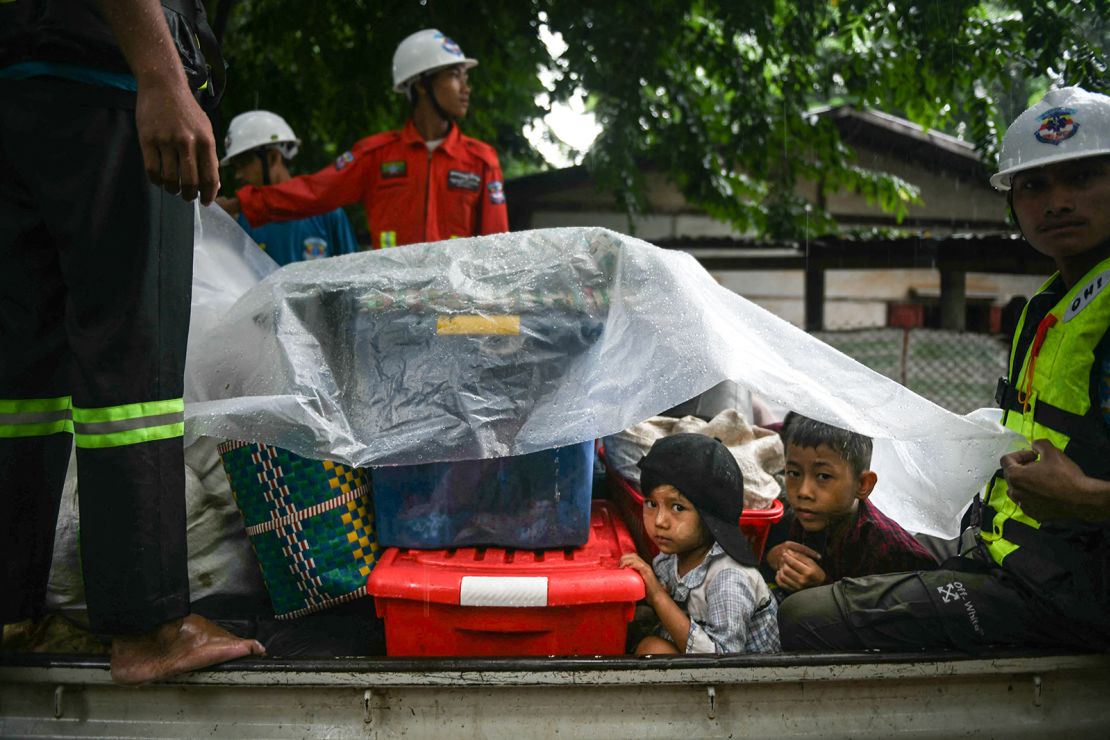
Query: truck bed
(1010, 694)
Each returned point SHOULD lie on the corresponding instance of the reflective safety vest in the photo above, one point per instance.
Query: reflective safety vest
(1052, 393)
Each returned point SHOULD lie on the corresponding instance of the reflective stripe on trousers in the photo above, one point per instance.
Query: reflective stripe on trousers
(36, 417)
(109, 426)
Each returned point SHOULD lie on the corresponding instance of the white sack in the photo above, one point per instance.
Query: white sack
(758, 451)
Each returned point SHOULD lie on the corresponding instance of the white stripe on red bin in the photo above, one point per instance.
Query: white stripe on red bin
(503, 591)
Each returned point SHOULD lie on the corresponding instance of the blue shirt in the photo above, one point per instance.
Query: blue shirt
(75, 72)
(306, 239)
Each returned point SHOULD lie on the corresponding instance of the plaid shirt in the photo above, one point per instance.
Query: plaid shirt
(874, 543)
(730, 612)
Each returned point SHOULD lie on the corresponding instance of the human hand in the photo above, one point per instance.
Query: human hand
(798, 571)
(774, 555)
(179, 149)
(231, 205)
(1045, 482)
(652, 586)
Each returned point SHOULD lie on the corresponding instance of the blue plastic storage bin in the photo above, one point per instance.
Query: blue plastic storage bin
(535, 501)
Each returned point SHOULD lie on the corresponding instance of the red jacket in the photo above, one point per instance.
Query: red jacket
(410, 195)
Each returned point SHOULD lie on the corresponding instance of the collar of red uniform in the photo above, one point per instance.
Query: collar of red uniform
(410, 136)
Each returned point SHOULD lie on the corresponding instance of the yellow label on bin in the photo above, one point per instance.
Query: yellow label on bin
(474, 324)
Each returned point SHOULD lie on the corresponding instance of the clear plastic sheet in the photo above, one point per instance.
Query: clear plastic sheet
(226, 264)
(513, 343)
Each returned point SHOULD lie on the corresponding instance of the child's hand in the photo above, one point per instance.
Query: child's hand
(652, 586)
(798, 571)
(774, 555)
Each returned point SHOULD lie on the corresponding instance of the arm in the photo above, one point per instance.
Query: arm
(670, 614)
(179, 149)
(334, 186)
(1048, 485)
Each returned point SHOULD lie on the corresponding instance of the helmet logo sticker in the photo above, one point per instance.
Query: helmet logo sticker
(343, 160)
(1057, 125)
(449, 45)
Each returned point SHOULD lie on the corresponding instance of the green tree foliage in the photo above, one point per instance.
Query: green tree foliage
(718, 93)
(326, 66)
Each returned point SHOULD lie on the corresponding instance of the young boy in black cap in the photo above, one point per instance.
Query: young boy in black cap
(703, 585)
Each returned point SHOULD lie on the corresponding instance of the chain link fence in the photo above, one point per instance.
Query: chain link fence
(955, 370)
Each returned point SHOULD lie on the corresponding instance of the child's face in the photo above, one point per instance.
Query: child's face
(1062, 207)
(822, 487)
(672, 522)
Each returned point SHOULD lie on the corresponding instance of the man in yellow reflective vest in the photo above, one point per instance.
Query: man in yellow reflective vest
(1037, 570)
(99, 132)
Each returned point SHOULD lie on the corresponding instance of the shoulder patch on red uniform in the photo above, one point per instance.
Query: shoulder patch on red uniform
(496, 192)
(343, 160)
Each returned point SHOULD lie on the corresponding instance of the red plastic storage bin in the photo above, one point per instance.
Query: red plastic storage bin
(754, 523)
(493, 601)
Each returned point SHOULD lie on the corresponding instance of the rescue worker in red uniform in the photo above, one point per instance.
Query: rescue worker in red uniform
(425, 182)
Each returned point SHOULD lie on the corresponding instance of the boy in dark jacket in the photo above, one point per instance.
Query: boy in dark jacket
(831, 531)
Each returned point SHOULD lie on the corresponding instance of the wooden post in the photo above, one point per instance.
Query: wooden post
(814, 298)
(953, 300)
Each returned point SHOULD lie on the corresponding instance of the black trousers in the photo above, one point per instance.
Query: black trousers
(967, 605)
(95, 281)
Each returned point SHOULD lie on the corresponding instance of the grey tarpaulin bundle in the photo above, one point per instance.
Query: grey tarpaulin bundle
(563, 335)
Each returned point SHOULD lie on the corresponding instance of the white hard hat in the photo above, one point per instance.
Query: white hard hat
(257, 128)
(425, 51)
(1068, 123)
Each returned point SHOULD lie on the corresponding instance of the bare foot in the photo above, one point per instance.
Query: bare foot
(176, 647)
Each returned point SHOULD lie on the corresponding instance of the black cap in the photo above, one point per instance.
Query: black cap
(705, 472)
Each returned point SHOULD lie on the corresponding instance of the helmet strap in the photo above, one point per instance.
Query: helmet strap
(1013, 214)
(426, 81)
(264, 155)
